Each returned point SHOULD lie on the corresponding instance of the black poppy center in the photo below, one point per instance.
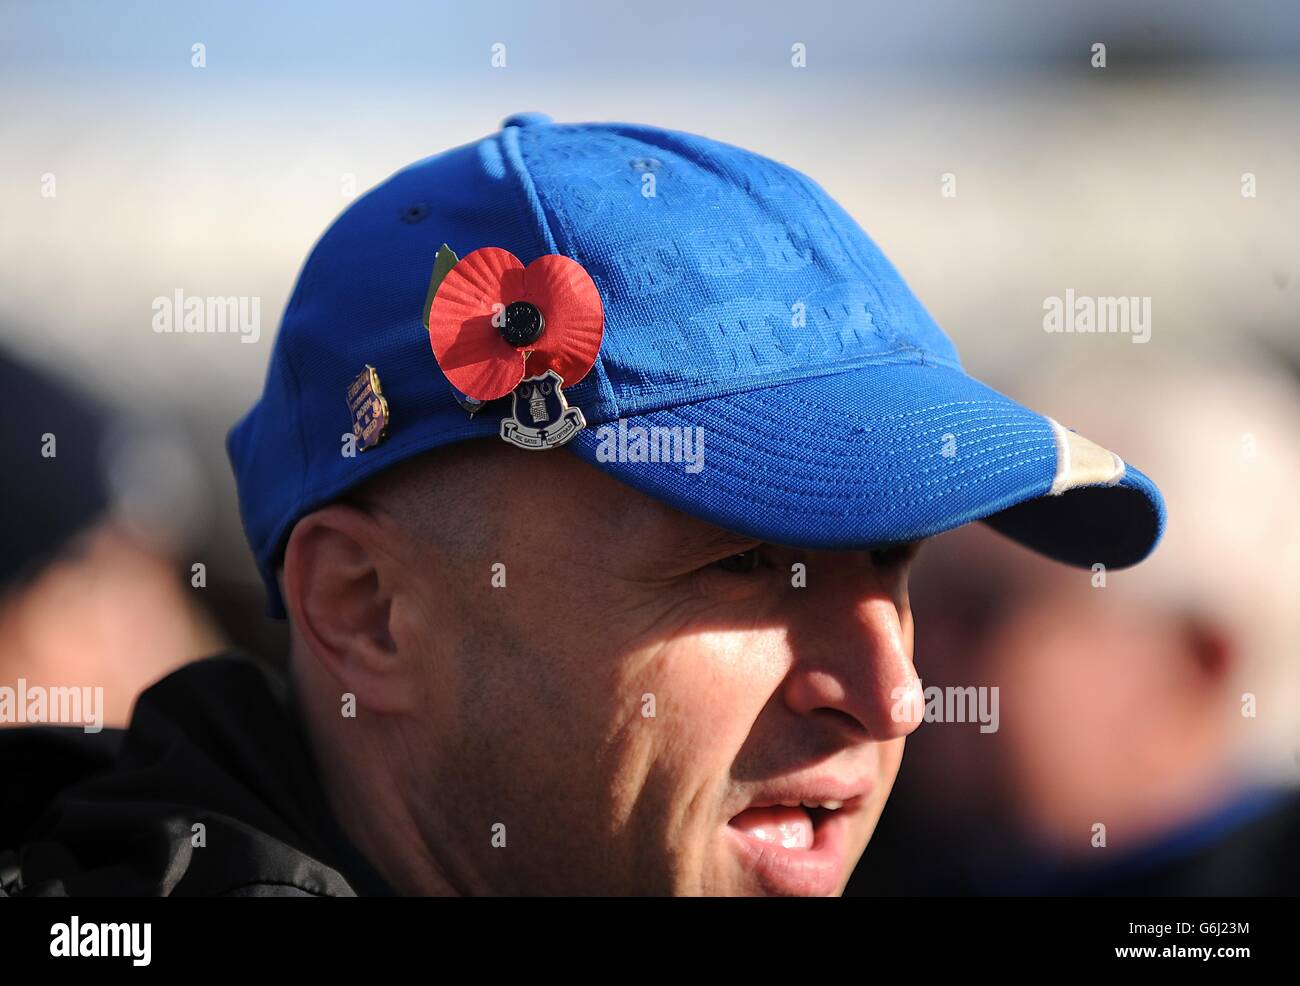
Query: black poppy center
(523, 324)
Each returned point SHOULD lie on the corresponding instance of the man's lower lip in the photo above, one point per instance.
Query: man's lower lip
(816, 872)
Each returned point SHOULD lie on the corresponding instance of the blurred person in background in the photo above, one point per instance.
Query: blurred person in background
(86, 601)
(1162, 702)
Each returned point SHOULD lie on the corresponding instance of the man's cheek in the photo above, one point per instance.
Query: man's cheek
(712, 683)
(676, 703)
(702, 699)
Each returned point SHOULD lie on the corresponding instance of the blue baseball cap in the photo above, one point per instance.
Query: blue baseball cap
(743, 308)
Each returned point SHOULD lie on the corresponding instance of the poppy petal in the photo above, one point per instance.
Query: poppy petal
(568, 298)
(469, 349)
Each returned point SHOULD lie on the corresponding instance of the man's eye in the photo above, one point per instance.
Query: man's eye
(894, 555)
(745, 561)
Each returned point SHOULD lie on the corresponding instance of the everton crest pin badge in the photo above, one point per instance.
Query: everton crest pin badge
(541, 417)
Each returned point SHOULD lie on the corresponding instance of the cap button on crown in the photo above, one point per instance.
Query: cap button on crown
(525, 120)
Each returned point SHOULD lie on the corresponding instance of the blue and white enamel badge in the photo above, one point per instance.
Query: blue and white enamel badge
(540, 416)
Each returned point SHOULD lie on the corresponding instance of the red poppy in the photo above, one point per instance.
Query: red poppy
(466, 321)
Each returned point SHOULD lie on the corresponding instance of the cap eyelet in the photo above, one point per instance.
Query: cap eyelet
(415, 212)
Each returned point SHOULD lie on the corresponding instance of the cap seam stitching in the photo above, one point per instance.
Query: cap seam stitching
(532, 200)
(515, 153)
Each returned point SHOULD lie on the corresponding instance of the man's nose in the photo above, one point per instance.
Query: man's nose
(854, 657)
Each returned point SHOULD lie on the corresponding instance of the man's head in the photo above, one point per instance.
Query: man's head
(567, 687)
(599, 649)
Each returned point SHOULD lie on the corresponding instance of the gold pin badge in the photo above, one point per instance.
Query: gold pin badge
(369, 409)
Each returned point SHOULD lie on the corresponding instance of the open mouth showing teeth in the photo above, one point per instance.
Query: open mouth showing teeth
(792, 825)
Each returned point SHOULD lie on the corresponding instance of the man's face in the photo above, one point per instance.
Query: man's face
(1101, 700)
(623, 699)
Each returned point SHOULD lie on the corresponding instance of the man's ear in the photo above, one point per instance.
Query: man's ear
(339, 576)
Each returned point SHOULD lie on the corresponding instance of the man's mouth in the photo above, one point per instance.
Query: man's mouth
(792, 825)
(800, 843)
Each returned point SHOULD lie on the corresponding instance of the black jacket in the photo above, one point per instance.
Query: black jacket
(217, 744)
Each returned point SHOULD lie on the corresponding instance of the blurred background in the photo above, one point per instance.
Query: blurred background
(150, 148)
